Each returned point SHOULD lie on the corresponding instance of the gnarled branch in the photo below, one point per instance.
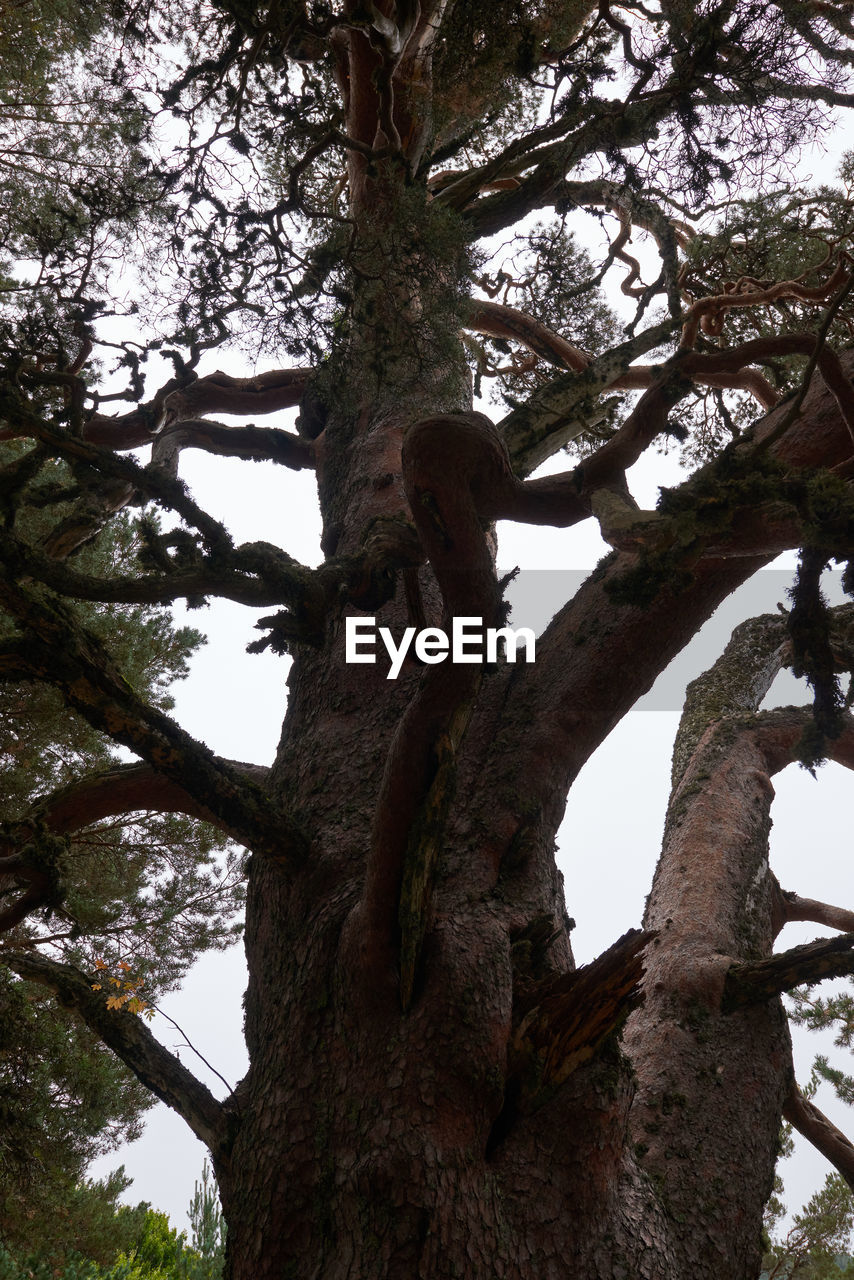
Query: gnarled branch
(182, 401)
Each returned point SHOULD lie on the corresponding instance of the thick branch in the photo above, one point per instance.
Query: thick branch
(127, 788)
(451, 466)
(558, 412)
(249, 442)
(499, 321)
(643, 213)
(253, 575)
(129, 1038)
(66, 655)
(761, 980)
(213, 393)
(644, 636)
(812, 1124)
(34, 897)
(726, 369)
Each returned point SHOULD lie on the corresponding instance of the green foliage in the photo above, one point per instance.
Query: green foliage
(549, 276)
(87, 1230)
(822, 1013)
(75, 187)
(147, 891)
(208, 1228)
(809, 627)
(118, 1242)
(820, 1240)
(63, 1100)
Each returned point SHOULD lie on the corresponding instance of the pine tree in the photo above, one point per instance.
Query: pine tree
(381, 205)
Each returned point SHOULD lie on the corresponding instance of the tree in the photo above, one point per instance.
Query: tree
(208, 1228)
(388, 194)
(815, 1247)
(149, 882)
(126, 1243)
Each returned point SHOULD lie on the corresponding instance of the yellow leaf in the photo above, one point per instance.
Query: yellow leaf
(96, 986)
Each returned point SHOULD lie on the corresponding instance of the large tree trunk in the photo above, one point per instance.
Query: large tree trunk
(380, 1141)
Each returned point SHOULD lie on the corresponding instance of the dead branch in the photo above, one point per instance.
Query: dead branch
(564, 1019)
(789, 906)
(762, 980)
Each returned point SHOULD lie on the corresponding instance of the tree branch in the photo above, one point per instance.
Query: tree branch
(761, 980)
(632, 122)
(181, 401)
(560, 722)
(548, 421)
(499, 321)
(790, 906)
(248, 442)
(128, 1037)
(127, 788)
(63, 653)
(558, 412)
(812, 1124)
(452, 466)
(274, 581)
(36, 896)
(122, 474)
